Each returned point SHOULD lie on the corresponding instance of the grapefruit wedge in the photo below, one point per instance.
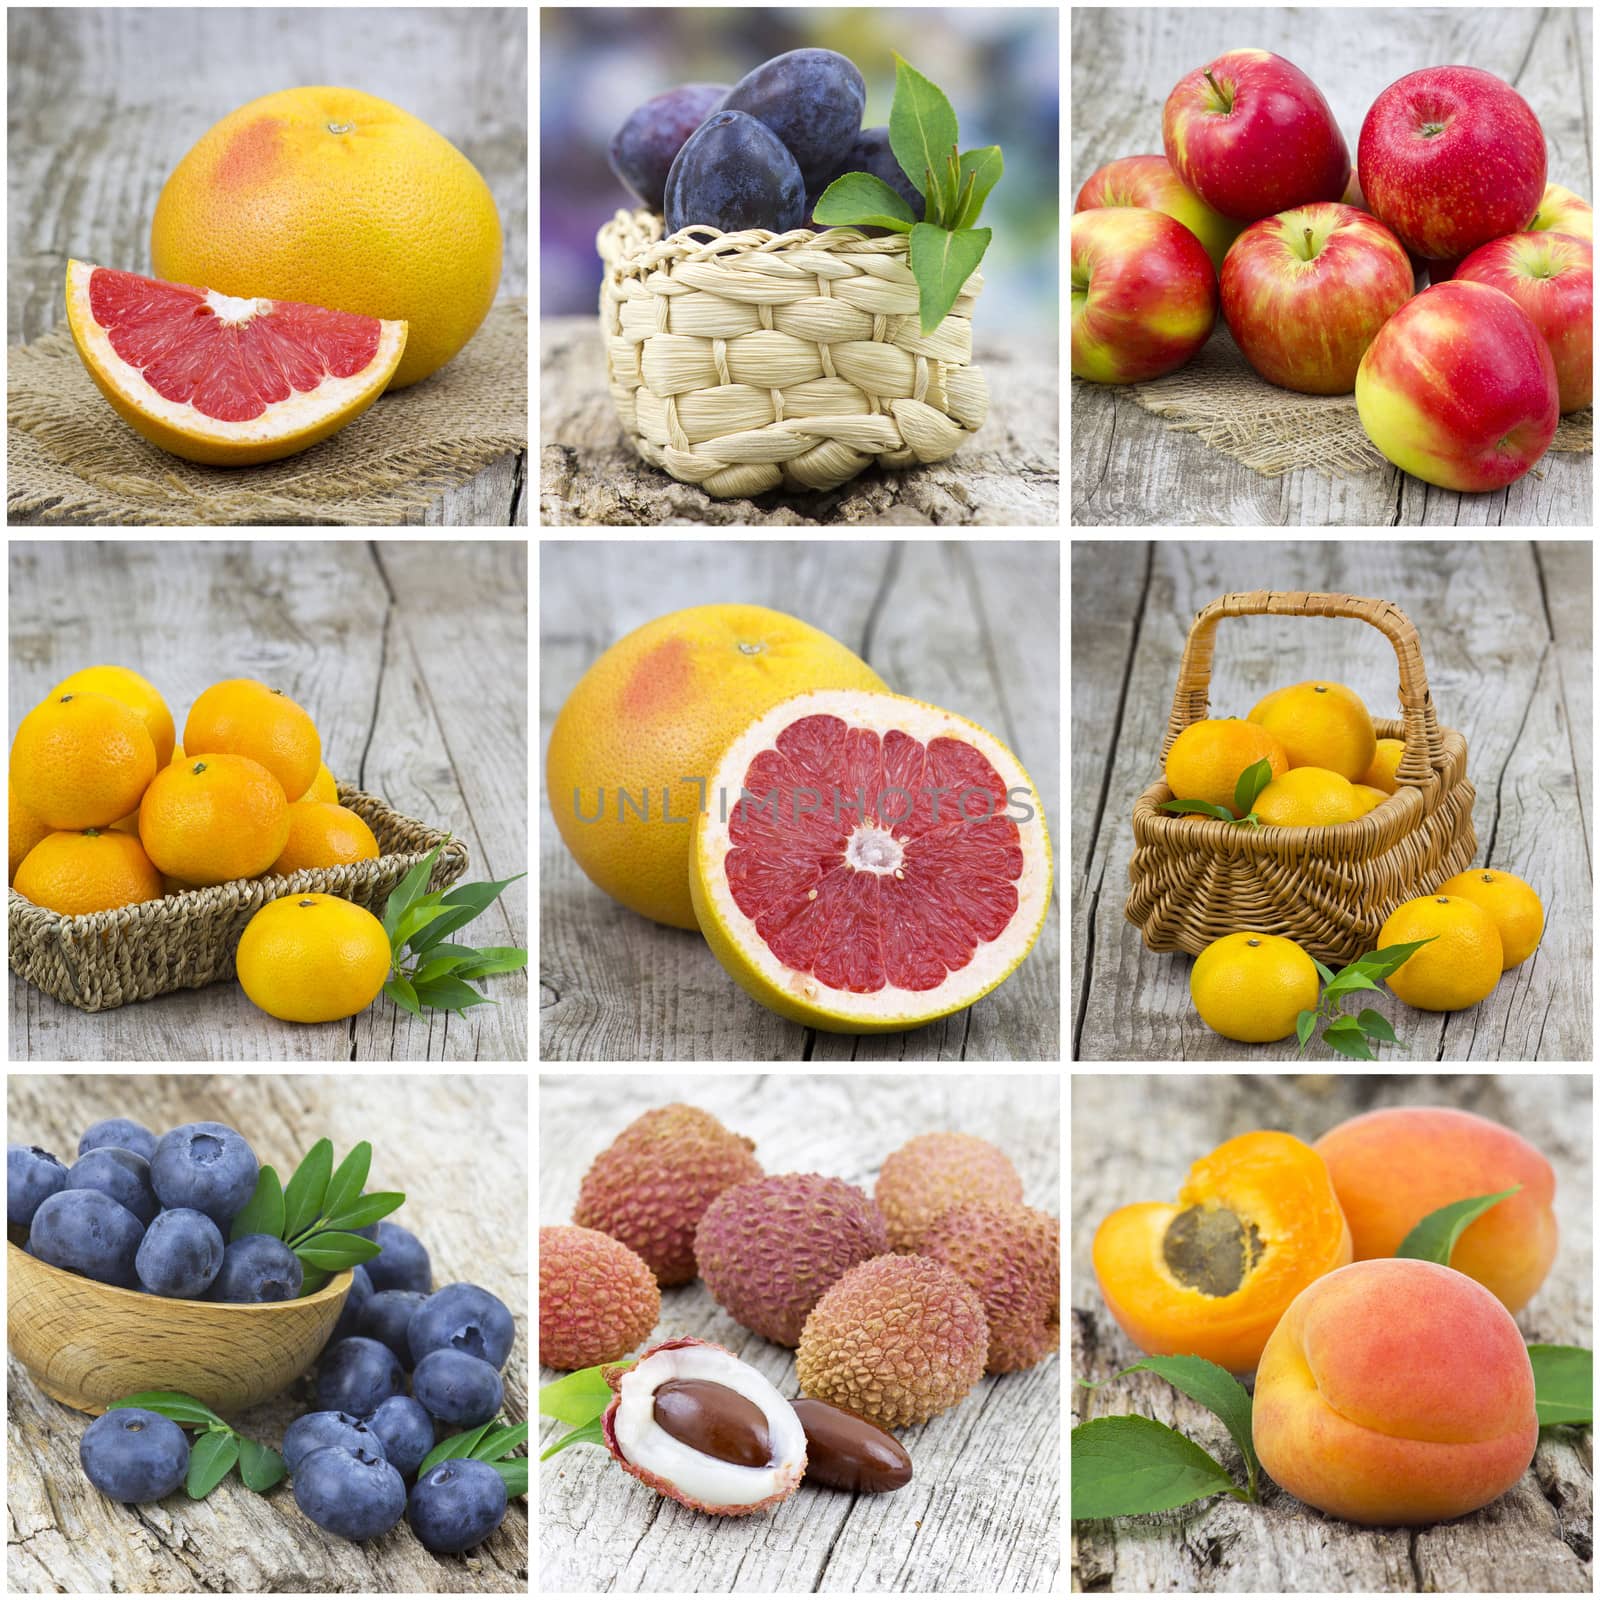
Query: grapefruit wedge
(221, 380)
(868, 863)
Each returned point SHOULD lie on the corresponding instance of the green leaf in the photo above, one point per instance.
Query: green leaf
(515, 1473)
(210, 1461)
(302, 1200)
(1128, 1466)
(586, 1433)
(1218, 1391)
(492, 959)
(501, 1442)
(312, 1279)
(363, 1212)
(1563, 1384)
(176, 1407)
(922, 129)
(451, 994)
(336, 1251)
(399, 989)
(942, 262)
(859, 199)
(259, 1467)
(348, 1180)
(985, 168)
(409, 888)
(263, 1212)
(579, 1397)
(1434, 1238)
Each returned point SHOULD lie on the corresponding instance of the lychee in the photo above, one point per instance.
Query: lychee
(896, 1340)
(597, 1299)
(935, 1171)
(1011, 1255)
(769, 1249)
(652, 1185)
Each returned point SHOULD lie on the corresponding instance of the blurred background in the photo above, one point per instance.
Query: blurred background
(999, 67)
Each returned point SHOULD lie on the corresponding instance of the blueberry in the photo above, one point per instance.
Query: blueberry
(205, 1166)
(461, 1316)
(32, 1176)
(811, 99)
(402, 1262)
(405, 1430)
(85, 1231)
(317, 1430)
(256, 1268)
(387, 1316)
(353, 1493)
(643, 148)
(354, 1302)
(134, 1456)
(456, 1505)
(120, 1174)
(457, 1388)
(732, 174)
(123, 1133)
(180, 1254)
(357, 1375)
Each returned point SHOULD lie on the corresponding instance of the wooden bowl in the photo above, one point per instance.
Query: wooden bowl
(86, 1343)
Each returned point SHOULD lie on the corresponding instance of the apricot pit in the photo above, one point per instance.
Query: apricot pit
(1210, 1249)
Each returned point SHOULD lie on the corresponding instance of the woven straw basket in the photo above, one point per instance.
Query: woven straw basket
(757, 360)
(1329, 889)
(188, 940)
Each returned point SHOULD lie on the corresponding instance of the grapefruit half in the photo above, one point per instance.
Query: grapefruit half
(868, 863)
(221, 380)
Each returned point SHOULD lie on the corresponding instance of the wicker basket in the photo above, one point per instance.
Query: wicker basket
(757, 360)
(186, 941)
(1329, 889)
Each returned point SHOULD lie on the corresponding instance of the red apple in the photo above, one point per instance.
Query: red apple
(1144, 295)
(1459, 389)
(1561, 211)
(1551, 276)
(1450, 158)
(1306, 291)
(1149, 181)
(1251, 134)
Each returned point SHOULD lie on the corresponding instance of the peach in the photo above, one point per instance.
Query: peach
(1391, 1168)
(1395, 1392)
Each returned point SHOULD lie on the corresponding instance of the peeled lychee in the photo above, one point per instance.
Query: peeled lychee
(935, 1171)
(651, 1187)
(896, 1340)
(597, 1299)
(769, 1249)
(672, 1465)
(1011, 1255)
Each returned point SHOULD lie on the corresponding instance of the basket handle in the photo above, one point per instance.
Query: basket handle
(1423, 759)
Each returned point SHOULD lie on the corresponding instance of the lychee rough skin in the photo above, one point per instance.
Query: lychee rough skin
(935, 1171)
(896, 1340)
(647, 1452)
(651, 1187)
(769, 1249)
(597, 1299)
(1011, 1255)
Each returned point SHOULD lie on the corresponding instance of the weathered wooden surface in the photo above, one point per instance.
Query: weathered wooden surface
(972, 629)
(982, 1512)
(1134, 1138)
(1506, 631)
(1128, 468)
(457, 1148)
(97, 94)
(411, 659)
(1007, 475)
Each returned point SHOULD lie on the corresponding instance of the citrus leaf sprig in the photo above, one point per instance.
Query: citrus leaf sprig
(945, 246)
(441, 975)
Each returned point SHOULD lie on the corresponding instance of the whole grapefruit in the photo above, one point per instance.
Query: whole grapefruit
(336, 198)
(652, 717)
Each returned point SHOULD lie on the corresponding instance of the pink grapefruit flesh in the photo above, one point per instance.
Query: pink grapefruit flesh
(222, 380)
(868, 862)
